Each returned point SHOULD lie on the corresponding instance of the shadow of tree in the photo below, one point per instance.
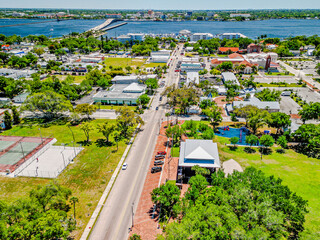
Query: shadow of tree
(103, 143)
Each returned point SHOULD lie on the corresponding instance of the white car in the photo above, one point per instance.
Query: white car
(124, 166)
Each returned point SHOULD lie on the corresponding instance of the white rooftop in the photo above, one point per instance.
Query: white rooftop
(199, 152)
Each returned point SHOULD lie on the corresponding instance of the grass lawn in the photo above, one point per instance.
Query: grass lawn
(115, 107)
(279, 74)
(151, 65)
(175, 151)
(77, 79)
(87, 177)
(123, 62)
(298, 172)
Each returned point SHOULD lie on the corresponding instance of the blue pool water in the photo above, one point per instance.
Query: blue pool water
(240, 133)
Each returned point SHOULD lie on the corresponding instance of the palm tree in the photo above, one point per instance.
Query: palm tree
(74, 200)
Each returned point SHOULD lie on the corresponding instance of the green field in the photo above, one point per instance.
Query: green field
(123, 62)
(115, 107)
(152, 65)
(77, 79)
(279, 74)
(175, 151)
(300, 173)
(87, 177)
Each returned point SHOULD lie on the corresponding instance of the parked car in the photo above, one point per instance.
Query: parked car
(158, 162)
(124, 166)
(161, 153)
(157, 157)
(156, 169)
(157, 108)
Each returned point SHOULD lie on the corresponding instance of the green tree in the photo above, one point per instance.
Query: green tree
(86, 109)
(214, 114)
(126, 120)
(41, 215)
(15, 115)
(135, 237)
(200, 170)
(282, 141)
(198, 184)
(7, 119)
(310, 111)
(234, 141)
(144, 99)
(49, 103)
(225, 66)
(117, 137)
(279, 121)
(248, 205)
(106, 129)
(266, 141)
(176, 132)
(87, 127)
(252, 140)
(167, 197)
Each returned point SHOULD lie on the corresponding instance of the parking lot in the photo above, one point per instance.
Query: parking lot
(269, 79)
(308, 67)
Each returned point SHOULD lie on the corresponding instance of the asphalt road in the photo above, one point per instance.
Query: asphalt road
(116, 216)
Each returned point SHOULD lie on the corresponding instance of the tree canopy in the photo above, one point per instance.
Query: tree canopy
(248, 205)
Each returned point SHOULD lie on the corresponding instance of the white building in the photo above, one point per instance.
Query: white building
(231, 36)
(201, 36)
(120, 94)
(245, 15)
(269, 106)
(192, 77)
(203, 153)
(161, 56)
(229, 77)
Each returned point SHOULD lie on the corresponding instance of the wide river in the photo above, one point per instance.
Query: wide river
(281, 28)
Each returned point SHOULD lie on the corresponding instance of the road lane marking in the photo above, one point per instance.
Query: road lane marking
(135, 181)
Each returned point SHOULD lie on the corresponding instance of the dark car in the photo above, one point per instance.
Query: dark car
(160, 99)
(157, 108)
(158, 162)
(157, 157)
(156, 169)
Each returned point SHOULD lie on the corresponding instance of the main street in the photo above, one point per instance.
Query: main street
(116, 216)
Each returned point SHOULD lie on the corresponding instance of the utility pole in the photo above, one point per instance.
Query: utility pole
(132, 215)
(41, 136)
(24, 158)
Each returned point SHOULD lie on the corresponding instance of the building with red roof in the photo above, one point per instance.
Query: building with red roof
(224, 50)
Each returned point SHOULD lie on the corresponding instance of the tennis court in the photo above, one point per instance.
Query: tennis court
(15, 150)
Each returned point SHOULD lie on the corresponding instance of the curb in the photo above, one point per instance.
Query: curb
(96, 212)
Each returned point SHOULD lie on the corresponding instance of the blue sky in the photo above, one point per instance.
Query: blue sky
(162, 4)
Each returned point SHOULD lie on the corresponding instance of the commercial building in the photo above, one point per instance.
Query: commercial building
(203, 153)
(115, 16)
(192, 77)
(131, 37)
(201, 36)
(120, 94)
(231, 36)
(161, 56)
(245, 15)
(269, 106)
(229, 77)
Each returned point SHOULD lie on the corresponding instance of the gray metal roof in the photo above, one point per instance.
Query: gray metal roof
(256, 102)
(199, 152)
